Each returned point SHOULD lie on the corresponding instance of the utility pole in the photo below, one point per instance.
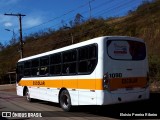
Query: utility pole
(66, 27)
(90, 11)
(20, 30)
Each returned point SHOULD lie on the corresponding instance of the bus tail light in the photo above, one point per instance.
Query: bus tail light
(106, 81)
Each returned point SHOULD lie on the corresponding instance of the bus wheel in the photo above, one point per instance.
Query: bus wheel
(27, 94)
(65, 101)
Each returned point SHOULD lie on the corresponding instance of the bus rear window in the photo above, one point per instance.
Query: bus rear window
(126, 50)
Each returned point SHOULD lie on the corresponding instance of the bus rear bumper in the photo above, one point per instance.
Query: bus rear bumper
(107, 98)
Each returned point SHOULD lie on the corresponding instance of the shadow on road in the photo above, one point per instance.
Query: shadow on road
(119, 111)
(148, 108)
(140, 108)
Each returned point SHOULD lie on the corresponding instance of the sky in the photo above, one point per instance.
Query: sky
(44, 14)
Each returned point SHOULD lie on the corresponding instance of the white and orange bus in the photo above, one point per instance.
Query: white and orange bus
(101, 71)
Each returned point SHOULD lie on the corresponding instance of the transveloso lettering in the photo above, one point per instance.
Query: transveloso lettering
(38, 82)
(129, 80)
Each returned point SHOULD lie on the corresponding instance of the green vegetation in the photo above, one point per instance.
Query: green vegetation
(144, 23)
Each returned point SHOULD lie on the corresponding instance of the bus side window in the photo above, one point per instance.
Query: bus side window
(92, 52)
(44, 66)
(27, 68)
(20, 71)
(69, 62)
(55, 64)
(92, 57)
(83, 67)
(83, 60)
(87, 59)
(35, 67)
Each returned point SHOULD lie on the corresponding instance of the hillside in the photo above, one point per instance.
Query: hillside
(144, 23)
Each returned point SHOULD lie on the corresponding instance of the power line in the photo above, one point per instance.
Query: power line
(59, 16)
(98, 6)
(92, 29)
(84, 12)
(120, 5)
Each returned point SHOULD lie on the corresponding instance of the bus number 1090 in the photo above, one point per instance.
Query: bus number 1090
(115, 75)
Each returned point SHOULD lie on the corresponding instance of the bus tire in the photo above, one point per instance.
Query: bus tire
(65, 101)
(27, 95)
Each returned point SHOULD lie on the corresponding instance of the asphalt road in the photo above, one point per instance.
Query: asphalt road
(10, 102)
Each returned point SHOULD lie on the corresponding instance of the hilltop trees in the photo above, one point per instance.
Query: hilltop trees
(1, 46)
(78, 19)
(72, 23)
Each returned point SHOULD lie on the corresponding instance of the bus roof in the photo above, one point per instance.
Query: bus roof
(94, 40)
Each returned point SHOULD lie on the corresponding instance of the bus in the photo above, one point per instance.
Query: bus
(100, 71)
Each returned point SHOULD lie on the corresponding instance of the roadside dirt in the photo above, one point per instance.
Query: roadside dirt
(8, 87)
(155, 87)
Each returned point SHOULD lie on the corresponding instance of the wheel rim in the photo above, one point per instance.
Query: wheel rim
(27, 96)
(65, 101)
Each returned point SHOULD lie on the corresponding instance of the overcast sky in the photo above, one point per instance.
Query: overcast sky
(43, 14)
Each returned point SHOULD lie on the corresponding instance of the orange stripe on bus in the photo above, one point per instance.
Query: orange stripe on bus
(132, 82)
(91, 84)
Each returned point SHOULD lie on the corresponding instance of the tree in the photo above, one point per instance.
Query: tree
(78, 19)
(64, 24)
(71, 23)
(1, 46)
(13, 41)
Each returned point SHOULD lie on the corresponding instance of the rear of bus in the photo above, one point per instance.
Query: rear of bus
(125, 70)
